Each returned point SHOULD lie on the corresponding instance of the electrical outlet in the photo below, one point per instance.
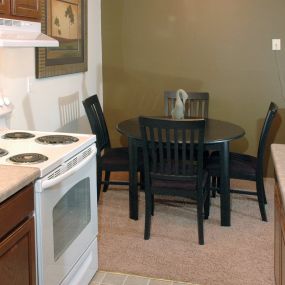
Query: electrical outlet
(30, 83)
(276, 44)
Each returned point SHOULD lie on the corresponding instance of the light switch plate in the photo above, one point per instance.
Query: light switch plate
(276, 44)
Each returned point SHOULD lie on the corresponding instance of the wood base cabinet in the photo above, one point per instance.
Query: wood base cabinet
(279, 239)
(17, 239)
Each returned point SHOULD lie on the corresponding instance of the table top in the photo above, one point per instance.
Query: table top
(215, 130)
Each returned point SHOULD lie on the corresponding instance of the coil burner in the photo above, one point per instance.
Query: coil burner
(57, 139)
(28, 158)
(18, 135)
(3, 152)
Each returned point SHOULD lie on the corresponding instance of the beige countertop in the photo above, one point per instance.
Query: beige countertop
(278, 155)
(14, 178)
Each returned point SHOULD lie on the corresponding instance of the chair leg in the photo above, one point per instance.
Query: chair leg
(214, 186)
(207, 201)
(152, 204)
(148, 206)
(263, 192)
(107, 180)
(99, 181)
(261, 200)
(264, 197)
(207, 207)
(200, 220)
(142, 179)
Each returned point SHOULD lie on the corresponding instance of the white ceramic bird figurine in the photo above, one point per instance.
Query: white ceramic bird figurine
(179, 107)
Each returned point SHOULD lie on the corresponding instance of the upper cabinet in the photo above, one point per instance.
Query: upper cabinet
(20, 9)
(4, 6)
(26, 8)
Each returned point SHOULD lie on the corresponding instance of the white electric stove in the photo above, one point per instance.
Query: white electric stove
(56, 147)
(65, 201)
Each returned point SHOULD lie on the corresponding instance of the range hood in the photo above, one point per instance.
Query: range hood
(18, 33)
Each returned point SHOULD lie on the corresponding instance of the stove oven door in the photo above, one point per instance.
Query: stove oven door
(66, 222)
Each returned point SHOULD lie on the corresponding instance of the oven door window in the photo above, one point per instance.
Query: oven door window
(70, 216)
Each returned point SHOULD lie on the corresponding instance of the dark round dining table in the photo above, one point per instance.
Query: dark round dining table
(218, 135)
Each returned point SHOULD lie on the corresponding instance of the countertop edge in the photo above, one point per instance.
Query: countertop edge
(278, 156)
(14, 178)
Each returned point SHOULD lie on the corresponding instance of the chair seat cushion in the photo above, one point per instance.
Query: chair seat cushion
(185, 187)
(116, 159)
(174, 184)
(242, 166)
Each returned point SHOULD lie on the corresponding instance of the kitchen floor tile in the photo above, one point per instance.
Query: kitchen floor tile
(113, 278)
(97, 279)
(183, 283)
(136, 280)
(160, 282)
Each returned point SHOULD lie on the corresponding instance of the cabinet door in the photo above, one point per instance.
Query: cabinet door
(17, 256)
(282, 269)
(26, 8)
(4, 7)
(277, 241)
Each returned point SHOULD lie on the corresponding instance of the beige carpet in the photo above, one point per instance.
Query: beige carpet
(238, 255)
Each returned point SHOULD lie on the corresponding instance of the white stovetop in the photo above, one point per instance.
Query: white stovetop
(57, 154)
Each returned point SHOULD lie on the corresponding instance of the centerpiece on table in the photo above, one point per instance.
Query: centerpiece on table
(179, 107)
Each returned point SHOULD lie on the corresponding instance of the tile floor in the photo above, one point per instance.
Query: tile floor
(112, 278)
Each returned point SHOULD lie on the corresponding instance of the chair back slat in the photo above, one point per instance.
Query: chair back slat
(183, 151)
(197, 104)
(192, 149)
(169, 147)
(160, 148)
(176, 152)
(97, 121)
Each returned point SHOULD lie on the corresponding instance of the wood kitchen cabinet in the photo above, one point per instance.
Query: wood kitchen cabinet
(279, 239)
(17, 239)
(4, 7)
(20, 9)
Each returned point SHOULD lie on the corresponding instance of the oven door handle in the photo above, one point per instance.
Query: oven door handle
(49, 183)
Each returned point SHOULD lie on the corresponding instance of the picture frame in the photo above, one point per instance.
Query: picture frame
(66, 21)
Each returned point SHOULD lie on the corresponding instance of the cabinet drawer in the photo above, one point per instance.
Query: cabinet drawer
(16, 209)
(17, 256)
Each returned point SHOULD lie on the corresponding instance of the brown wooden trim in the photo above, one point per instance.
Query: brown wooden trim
(27, 9)
(20, 243)
(16, 209)
(4, 7)
(279, 241)
(280, 208)
(57, 61)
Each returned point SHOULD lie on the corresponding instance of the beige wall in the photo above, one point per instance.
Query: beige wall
(222, 46)
(39, 109)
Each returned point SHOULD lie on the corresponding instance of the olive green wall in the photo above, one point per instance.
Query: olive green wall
(219, 46)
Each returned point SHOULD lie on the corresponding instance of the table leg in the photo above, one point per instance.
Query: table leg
(133, 179)
(225, 185)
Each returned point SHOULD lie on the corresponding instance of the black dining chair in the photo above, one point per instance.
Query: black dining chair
(109, 159)
(170, 166)
(248, 167)
(197, 104)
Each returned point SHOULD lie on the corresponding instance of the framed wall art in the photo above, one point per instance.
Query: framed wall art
(66, 21)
